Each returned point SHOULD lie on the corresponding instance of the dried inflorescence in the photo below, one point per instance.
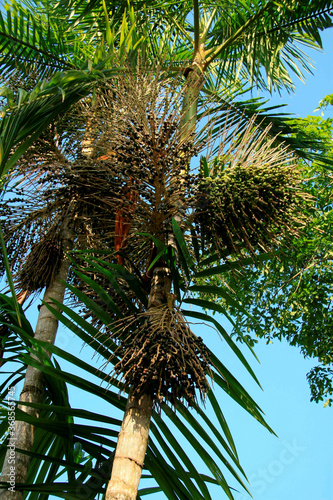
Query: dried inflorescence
(142, 141)
(53, 199)
(159, 354)
(42, 263)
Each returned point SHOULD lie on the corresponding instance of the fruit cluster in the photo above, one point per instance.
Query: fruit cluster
(251, 207)
(169, 362)
(41, 264)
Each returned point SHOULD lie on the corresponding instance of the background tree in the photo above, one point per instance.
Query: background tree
(289, 295)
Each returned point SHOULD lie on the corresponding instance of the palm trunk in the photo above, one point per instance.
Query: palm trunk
(131, 449)
(133, 437)
(194, 81)
(33, 389)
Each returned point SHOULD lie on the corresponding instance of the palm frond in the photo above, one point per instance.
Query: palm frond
(57, 431)
(33, 45)
(257, 38)
(28, 114)
(228, 107)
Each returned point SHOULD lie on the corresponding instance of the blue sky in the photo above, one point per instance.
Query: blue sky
(298, 464)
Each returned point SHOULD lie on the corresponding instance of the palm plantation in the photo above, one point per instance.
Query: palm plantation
(144, 78)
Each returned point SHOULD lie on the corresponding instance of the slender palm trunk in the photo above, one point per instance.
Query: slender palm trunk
(33, 389)
(131, 449)
(133, 437)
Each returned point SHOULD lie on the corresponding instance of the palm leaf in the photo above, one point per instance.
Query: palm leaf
(226, 112)
(9, 275)
(51, 430)
(36, 48)
(24, 120)
(236, 390)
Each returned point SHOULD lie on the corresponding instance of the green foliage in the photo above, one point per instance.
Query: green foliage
(327, 101)
(289, 295)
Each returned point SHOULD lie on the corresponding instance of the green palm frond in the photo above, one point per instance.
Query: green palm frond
(260, 42)
(27, 114)
(14, 325)
(259, 38)
(8, 272)
(227, 106)
(221, 376)
(33, 45)
(59, 428)
(39, 41)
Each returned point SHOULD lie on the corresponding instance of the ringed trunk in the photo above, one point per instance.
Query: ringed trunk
(131, 449)
(194, 81)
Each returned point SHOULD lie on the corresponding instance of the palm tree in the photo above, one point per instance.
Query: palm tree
(55, 213)
(71, 197)
(221, 49)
